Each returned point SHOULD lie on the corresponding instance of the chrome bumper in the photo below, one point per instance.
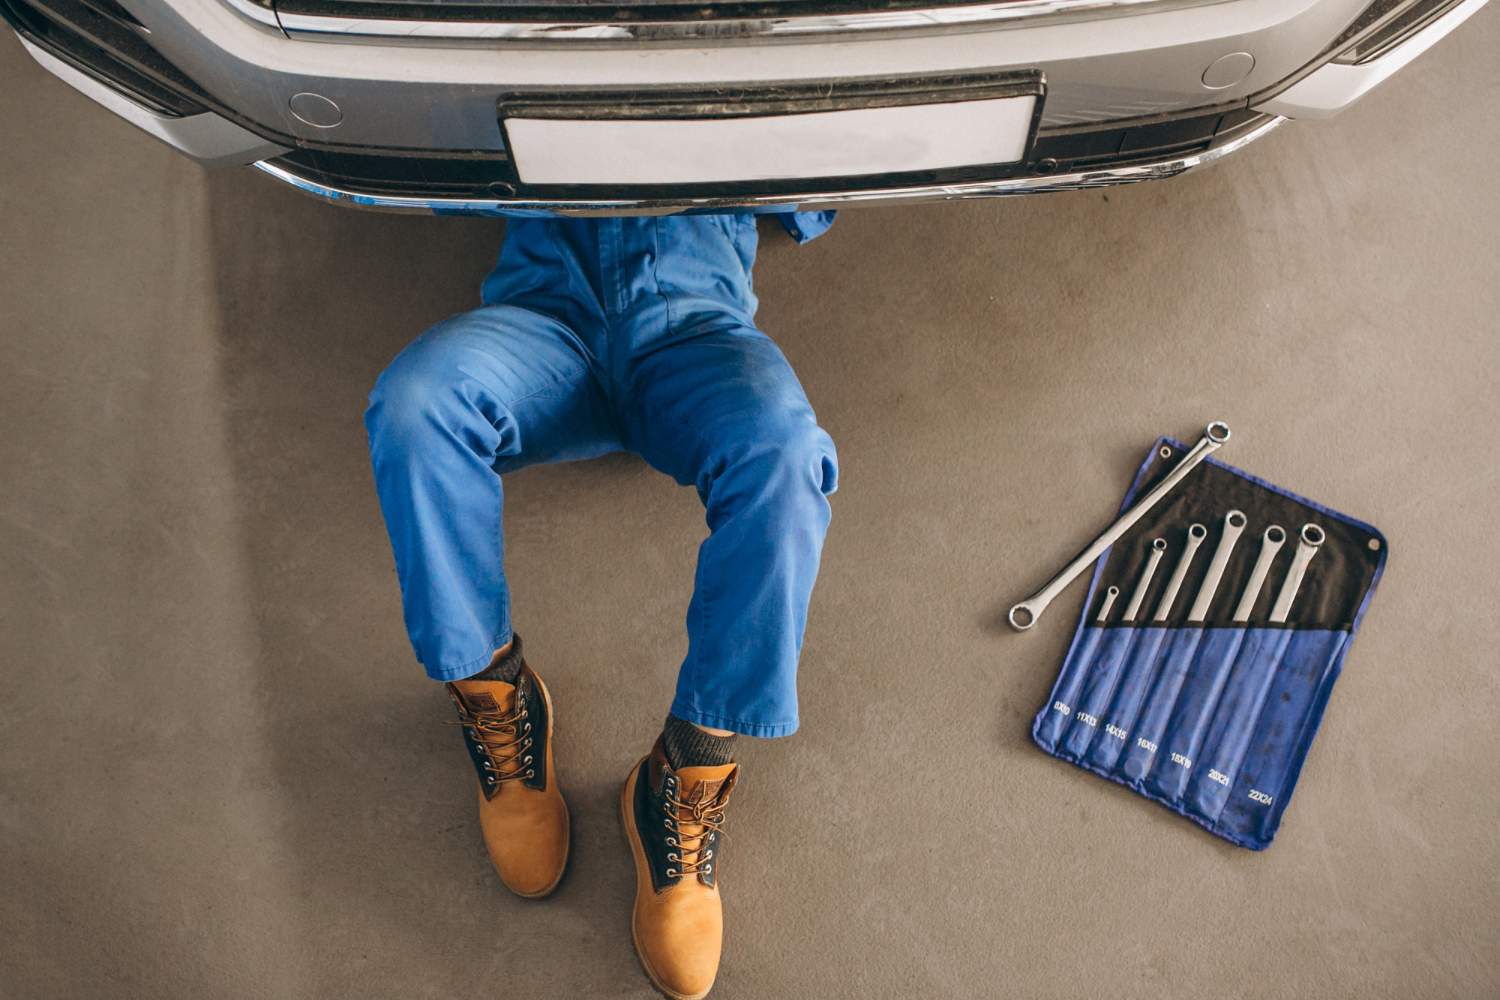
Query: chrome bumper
(1078, 180)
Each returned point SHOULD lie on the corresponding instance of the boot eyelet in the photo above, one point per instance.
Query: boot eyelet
(527, 760)
(672, 856)
(672, 842)
(531, 774)
(671, 873)
(667, 823)
(708, 869)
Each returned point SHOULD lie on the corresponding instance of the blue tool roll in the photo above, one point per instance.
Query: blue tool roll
(1212, 719)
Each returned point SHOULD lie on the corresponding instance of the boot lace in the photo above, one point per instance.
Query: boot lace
(691, 824)
(504, 738)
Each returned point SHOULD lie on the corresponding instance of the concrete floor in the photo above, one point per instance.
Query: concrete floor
(221, 775)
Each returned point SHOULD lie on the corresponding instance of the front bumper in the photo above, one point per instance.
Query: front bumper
(1153, 168)
(1129, 97)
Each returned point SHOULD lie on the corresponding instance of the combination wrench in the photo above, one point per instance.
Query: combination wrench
(1025, 614)
(1307, 546)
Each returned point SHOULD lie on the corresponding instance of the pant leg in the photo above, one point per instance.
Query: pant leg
(479, 394)
(721, 410)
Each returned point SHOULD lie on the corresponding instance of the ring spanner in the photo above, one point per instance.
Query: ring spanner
(1308, 543)
(1234, 523)
(1158, 549)
(1024, 615)
(1196, 534)
(1109, 602)
(1270, 544)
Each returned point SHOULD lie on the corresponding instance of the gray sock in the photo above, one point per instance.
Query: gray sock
(688, 746)
(507, 668)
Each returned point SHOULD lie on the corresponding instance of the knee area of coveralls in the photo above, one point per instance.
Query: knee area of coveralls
(427, 391)
(779, 455)
(412, 398)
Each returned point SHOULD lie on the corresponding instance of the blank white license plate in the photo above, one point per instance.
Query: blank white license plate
(842, 143)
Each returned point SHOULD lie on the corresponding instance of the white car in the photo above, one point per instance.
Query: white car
(666, 105)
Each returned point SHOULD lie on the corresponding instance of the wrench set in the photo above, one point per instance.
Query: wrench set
(1234, 523)
(1215, 626)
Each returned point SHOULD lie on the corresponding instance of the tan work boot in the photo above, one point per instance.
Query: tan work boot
(672, 821)
(508, 730)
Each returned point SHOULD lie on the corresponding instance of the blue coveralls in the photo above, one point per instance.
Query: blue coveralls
(598, 335)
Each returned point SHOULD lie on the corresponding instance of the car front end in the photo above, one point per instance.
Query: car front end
(479, 107)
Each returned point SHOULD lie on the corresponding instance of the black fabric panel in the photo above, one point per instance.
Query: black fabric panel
(649, 815)
(1332, 590)
(536, 707)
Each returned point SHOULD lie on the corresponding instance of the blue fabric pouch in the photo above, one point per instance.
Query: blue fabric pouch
(1211, 718)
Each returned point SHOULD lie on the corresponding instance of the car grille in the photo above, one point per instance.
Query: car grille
(482, 176)
(100, 38)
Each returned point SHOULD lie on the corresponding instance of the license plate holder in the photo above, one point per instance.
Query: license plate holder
(769, 139)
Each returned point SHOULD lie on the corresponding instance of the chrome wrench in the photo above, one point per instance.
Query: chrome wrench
(1307, 547)
(1109, 602)
(1234, 523)
(1025, 614)
(1271, 541)
(1158, 549)
(1196, 534)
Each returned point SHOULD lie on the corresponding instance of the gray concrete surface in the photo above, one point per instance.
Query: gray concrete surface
(221, 775)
